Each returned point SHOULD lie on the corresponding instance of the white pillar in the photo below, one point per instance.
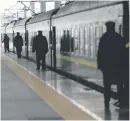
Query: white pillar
(43, 6)
(25, 15)
(32, 4)
(57, 4)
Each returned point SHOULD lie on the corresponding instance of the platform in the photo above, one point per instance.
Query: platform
(63, 95)
(19, 102)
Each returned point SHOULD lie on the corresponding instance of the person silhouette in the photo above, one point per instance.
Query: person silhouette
(108, 61)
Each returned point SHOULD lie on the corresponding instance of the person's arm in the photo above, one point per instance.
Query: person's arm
(99, 54)
(22, 40)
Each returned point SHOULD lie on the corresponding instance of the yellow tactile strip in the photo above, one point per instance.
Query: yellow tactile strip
(59, 103)
(78, 60)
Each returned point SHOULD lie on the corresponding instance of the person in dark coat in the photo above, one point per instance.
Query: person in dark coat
(108, 61)
(18, 43)
(40, 45)
(6, 42)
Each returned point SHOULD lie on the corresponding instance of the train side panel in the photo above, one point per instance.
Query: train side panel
(87, 27)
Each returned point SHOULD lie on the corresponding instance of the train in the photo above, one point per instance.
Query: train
(83, 22)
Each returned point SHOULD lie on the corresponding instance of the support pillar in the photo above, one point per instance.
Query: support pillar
(25, 15)
(32, 4)
(43, 6)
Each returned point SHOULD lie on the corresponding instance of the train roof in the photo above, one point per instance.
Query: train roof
(41, 16)
(21, 22)
(79, 6)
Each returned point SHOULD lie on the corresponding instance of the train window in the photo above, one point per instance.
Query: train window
(97, 35)
(86, 35)
(97, 32)
(76, 39)
(82, 36)
(91, 35)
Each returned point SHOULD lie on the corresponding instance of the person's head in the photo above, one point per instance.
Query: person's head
(110, 26)
(18, 33)
(5, 34)
(39, 32)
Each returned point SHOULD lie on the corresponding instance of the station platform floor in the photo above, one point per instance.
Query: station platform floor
(28, 94)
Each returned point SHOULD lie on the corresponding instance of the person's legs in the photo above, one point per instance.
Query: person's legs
(38, 62)
(107, 90)
(5, 48)
(8, 48)
(125, 95)
(17, 52)
(43, 62)
(20, 54)
(120, 92)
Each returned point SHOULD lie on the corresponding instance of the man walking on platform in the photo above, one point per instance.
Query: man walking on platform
(18, 43)
(40, 45)
(6, 42)
(109, 62)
